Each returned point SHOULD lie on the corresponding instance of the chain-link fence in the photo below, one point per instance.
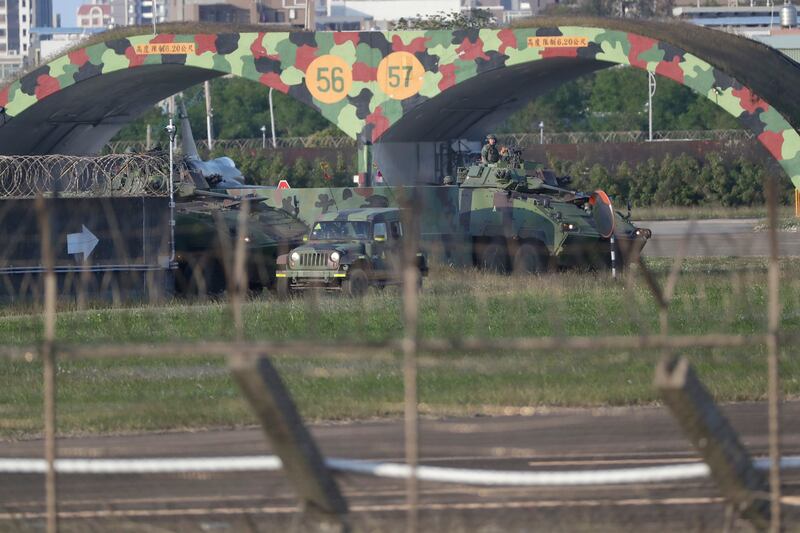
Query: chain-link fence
(475, 366)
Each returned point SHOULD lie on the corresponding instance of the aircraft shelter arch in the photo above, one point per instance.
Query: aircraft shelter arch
(404, 86)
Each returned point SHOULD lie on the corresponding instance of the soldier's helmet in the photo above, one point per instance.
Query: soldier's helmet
(490, 137)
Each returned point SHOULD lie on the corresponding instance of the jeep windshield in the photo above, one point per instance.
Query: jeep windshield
(340, 230)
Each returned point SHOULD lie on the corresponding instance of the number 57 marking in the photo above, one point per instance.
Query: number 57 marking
(395, 78)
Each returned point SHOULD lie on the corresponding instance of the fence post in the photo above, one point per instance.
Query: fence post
(322, 502)
(715, 439)
(49, 363)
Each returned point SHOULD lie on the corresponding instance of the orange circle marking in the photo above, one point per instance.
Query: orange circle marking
(329, 78)
(603, 218)
(400, 75)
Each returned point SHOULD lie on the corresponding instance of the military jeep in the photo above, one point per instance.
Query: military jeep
(349, 250)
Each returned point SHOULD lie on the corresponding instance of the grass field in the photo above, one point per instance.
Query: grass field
(132, 394)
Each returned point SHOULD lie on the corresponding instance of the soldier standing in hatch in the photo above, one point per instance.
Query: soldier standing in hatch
(489, 152)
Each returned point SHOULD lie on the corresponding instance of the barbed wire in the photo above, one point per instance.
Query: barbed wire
(578, 137)
(114, 175)
(516, 139)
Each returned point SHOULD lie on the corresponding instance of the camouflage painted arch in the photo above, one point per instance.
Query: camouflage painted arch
(364, 82)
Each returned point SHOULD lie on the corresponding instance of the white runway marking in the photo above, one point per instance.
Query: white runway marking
(134, 513)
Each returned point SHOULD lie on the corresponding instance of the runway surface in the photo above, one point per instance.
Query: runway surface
(564, 439)
(716, 237)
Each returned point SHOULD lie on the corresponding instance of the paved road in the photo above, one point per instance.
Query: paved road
(716, 237)
(563, 439)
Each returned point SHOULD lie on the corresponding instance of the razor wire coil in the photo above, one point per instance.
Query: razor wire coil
(114, 175)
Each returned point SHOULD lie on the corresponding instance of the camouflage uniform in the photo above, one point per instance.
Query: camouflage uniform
(490, 153)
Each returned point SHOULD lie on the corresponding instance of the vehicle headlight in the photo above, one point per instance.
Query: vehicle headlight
(568, 227)
(335, 257)
(295, 257)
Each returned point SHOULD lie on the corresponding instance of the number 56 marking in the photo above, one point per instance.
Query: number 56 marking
(329, 78)
(330, 81)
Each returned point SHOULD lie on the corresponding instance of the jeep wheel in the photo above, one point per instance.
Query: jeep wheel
(531, 259)
(356, 284)
(282, 288)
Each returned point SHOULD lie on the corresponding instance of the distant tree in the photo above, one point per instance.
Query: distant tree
(474, 18)
(137, 130)
(681, 180)
(614, 100)
(241, 107)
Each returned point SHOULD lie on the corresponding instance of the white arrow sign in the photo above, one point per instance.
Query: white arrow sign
(81, 243)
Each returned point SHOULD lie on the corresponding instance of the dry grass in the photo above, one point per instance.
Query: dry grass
(132, 394)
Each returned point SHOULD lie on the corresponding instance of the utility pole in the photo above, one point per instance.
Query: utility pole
(209, 114)
(171, 133)
(172, 107)
(651, 90)
(272, 119)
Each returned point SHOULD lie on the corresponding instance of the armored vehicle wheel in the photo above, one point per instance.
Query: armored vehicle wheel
(356, 284)
(282, 288)
(531, 259)
(493, 256)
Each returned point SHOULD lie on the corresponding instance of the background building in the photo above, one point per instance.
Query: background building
(773, 25)
(16, 20)
(43, 13)
(278, 12)
(137, 12)
(95, 15)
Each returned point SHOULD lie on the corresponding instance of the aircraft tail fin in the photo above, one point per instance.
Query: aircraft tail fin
(188, 145)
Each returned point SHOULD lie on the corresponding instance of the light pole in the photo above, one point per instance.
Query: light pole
(263, 137)
(651, 90)
(541, 132)
(272, 119)
(171, 130)
(209, 114)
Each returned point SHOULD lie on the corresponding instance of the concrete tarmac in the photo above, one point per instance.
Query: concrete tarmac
(716, 238)
(557, 439)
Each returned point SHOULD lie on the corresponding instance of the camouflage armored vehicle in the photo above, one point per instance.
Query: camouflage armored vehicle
(349, 250)
(205, 234)
(520, 215)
